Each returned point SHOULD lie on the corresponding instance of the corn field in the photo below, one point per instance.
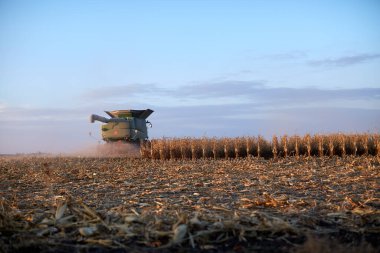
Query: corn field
(284, 146)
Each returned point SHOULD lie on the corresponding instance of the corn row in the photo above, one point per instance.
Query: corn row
(240, 147)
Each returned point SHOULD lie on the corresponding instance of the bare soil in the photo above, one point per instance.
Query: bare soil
(79, 204)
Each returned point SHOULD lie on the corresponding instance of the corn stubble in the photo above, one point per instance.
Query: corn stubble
(285, 146)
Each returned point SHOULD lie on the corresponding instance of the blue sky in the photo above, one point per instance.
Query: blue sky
(214, 68)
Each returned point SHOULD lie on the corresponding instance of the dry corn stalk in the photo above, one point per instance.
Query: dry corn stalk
(204, 147)
(297, 149)
(274, 146)
(214, 148)
(259, 141)
(342, 142)
(377, 145)
(236, 148)
(365, 144)
(320, 145)
(308, 144)
(354, 143)
(331, 146)
(248, 146)
(284, 143)
(226, 144)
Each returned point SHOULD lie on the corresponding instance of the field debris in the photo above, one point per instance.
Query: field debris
(143, 205)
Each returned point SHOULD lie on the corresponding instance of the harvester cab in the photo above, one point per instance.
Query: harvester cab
(124, 125)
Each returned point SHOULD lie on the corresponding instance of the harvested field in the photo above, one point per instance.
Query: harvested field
(76, 204)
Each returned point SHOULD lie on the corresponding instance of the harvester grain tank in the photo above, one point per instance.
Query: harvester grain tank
(128, 126)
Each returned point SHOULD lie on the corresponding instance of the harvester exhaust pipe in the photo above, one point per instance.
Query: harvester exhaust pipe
(94, 117)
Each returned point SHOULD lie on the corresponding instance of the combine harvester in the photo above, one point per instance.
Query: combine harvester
(125, 130)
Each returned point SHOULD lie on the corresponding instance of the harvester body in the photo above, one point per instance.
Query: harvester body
(124, 125)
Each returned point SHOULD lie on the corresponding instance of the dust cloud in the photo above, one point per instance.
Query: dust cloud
(117, 149)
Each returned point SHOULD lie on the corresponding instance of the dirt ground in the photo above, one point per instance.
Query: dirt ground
(84, 204)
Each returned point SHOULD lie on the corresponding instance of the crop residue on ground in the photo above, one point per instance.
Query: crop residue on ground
(239, 205)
